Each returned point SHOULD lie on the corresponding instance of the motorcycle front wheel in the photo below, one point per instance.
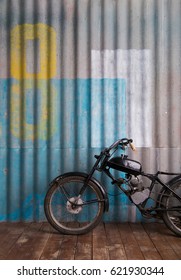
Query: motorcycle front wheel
(70, 213)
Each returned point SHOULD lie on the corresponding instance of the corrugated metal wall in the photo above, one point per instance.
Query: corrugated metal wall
(74, 77)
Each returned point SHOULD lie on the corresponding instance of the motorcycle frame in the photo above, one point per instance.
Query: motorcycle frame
(101, 166)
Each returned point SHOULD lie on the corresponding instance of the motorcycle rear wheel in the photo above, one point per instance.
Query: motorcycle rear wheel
(172, 217)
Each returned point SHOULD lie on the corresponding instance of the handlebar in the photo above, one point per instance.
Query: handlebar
(106, 152)
(122, 142)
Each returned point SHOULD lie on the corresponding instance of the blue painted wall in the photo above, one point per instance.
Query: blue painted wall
(81, 117)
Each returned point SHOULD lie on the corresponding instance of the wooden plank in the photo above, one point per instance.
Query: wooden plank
(3, 228)
(100, 249)
(30, 244)
(133, 251)
(115, 245)
(16, 228)
(174, 242)
(84, 247)
(67, 247)
(9, 234)
(52, 247)
(146, 245)
(106, 241)
(160, 240)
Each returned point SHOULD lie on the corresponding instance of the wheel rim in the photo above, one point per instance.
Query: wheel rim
(64, 211)
(174, 216)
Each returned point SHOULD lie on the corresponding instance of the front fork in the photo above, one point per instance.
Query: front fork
(94, 168)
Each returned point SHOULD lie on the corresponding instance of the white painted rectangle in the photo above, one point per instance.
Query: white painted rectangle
(136, 68)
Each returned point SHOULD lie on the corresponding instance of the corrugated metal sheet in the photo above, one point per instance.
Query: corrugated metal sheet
(74, 77)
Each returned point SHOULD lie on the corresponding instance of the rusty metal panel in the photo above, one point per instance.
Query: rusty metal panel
(74, 77)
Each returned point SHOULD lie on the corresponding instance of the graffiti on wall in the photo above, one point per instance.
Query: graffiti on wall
(33, 84)
(33, 69)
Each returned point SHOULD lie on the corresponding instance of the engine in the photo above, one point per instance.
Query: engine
(139, 193)
(136, 184)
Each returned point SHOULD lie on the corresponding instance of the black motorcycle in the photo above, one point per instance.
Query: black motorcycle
(75, 201)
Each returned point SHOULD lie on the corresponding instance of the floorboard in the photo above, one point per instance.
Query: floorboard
(108, 241)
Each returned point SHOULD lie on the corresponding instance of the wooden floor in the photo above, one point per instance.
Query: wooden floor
(108, 241)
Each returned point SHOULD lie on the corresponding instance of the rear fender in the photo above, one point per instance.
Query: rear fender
(85, 175)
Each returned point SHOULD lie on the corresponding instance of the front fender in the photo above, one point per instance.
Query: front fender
(85, 175)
